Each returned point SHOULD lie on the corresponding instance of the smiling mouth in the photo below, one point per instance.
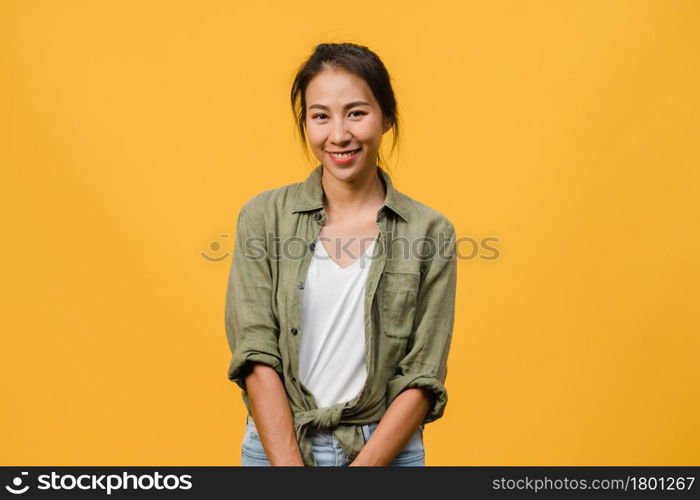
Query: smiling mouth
(346, 154)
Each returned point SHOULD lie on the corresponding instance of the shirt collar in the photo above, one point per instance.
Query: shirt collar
(310, 196)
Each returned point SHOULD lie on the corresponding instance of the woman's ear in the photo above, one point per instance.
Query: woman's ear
(387, 126)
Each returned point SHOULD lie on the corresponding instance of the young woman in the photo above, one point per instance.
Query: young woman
(340, 300)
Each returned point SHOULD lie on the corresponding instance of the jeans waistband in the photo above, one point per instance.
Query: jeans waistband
(323, 437)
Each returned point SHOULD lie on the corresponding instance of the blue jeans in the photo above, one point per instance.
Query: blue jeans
(327, 449)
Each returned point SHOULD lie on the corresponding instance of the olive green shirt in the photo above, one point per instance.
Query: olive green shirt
(409, 304)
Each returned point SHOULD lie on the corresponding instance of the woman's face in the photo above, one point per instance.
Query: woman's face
(343, 115)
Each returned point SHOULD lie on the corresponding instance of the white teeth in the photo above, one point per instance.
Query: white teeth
(344, 155)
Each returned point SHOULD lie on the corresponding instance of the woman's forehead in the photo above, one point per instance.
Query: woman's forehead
(336, 87)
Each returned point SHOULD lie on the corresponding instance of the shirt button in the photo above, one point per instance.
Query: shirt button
(312, 246)
(294, 331)
(300, 285)
(318, 216)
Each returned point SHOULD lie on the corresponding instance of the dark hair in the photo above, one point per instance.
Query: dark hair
(357, 60)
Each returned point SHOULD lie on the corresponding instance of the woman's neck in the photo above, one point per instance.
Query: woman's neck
(366, 193)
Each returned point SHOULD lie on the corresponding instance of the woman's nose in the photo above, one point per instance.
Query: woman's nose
(340, 132)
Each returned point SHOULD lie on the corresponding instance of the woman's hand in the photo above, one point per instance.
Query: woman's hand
(399, 423)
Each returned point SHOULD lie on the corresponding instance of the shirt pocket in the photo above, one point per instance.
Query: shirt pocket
(399, 294)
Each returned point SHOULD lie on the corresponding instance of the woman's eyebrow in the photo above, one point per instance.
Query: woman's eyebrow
(348, 105)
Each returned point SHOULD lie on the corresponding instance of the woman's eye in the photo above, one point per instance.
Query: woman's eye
(323, 116)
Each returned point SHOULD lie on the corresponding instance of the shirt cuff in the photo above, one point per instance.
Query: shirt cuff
(423, 381)
(261, 352)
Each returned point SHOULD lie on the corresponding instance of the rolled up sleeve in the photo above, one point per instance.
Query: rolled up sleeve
(252, 328)
(425, 364)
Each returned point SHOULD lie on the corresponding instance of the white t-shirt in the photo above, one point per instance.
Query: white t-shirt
(332, 350)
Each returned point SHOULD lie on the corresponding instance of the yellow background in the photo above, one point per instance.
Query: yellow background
(132, 132)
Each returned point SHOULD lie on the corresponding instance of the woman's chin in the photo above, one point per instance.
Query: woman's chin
(347, 172)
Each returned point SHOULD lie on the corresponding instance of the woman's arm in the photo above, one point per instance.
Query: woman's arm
(416, 395)
(399, 423)
(272, 416)
(252, 329)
